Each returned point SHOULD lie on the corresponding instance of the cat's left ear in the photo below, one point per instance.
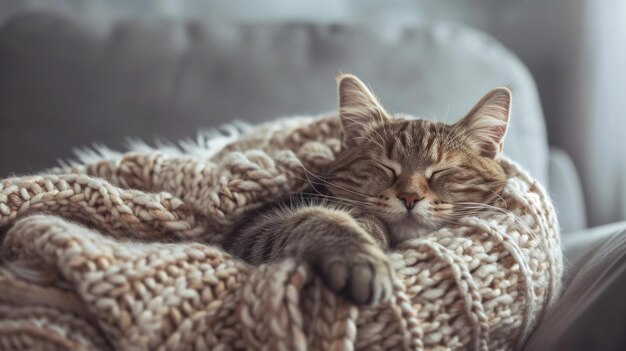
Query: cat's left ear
(359, 110)
(485, 126)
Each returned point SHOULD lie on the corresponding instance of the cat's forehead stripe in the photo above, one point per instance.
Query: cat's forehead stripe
(418, 142)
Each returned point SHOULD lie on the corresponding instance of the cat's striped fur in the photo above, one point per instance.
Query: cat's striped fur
(394, 179)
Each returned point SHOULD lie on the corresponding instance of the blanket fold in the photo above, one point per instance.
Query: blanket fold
(123, 253)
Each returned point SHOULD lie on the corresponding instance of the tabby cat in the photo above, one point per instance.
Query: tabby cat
(393, 179)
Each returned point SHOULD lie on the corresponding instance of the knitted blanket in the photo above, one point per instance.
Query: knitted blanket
(122, 253)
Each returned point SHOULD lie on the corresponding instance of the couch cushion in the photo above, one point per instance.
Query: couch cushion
(69, 81)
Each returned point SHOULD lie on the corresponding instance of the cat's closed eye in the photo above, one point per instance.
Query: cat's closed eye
(438, 173)
(390, 170)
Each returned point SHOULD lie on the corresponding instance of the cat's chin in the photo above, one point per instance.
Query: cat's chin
(409, 228)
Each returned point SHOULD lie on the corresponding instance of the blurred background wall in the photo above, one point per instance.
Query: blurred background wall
(575, 49)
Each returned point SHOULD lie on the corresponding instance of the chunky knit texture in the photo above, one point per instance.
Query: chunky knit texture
(123, 253)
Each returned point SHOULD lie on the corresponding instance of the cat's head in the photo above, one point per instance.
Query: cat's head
(415, 173)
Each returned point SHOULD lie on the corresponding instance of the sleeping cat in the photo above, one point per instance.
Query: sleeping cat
(393, 179)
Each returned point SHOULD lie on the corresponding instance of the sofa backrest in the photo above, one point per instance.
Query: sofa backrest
(68, 81)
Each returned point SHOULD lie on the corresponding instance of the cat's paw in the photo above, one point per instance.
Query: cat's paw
(363, 278)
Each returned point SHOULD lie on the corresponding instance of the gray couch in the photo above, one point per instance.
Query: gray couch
(67, 82)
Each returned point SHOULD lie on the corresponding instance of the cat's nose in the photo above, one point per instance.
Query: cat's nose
(409, 199)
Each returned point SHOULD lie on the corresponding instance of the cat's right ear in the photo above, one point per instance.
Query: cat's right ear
(485, 126)
(359, 110)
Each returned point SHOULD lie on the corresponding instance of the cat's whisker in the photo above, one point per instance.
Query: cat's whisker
(349, 190)
(506, 205)
(479, 208)
(324, 182)
(337, 198)
(440, 221)
(321, 182)
(487, 208)
(482, 206)
(311, 183)
(307, 172)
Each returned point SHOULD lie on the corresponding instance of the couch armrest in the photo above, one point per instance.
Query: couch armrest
(566, 191)
(591, 313)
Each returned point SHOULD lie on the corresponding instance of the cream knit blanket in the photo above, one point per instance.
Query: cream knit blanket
(117, 254)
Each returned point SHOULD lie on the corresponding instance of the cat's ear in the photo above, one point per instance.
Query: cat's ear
(485, 126)
(359, 110)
